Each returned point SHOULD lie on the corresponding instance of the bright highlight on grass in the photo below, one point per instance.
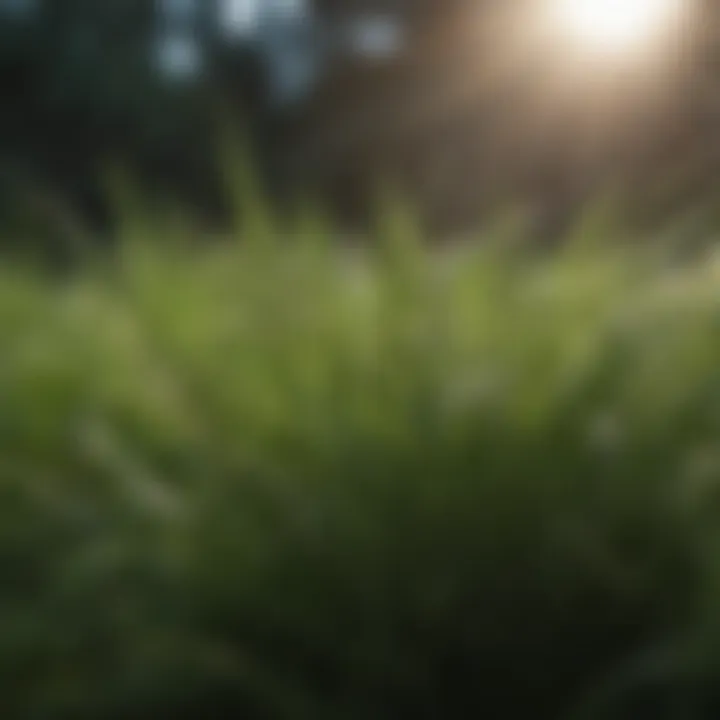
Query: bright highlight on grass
(616, 26)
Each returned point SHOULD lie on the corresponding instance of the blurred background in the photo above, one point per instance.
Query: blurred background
(465, 105)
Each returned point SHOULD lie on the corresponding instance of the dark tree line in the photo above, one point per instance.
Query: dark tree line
(456, 118)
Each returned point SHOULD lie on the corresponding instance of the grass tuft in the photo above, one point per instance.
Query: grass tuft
(282, 484)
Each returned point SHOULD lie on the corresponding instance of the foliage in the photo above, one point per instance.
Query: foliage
(250, 482)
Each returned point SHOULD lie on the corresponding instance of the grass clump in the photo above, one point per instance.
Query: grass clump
(267, 482)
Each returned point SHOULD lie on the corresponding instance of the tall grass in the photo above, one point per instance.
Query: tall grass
(259, 481)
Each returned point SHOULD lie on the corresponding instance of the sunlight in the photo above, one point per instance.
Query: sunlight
(615, 26)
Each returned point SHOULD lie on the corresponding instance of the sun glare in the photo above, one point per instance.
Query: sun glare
(612, 26)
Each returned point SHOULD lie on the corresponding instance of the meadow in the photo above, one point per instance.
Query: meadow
(254, 480)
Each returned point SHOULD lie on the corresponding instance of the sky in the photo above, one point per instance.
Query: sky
(281, 31)
(246, 17)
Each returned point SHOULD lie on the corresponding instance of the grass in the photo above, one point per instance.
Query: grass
(246, 482)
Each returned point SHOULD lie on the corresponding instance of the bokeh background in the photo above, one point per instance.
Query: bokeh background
(443, 99)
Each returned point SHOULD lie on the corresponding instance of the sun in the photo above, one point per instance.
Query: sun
(612, 26)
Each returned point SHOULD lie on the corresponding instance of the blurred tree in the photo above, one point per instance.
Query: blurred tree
(426, 93)
(88, 84)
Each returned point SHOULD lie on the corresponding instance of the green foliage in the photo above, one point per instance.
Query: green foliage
(289, 484)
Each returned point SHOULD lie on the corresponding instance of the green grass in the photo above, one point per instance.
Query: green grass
(256, 482)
